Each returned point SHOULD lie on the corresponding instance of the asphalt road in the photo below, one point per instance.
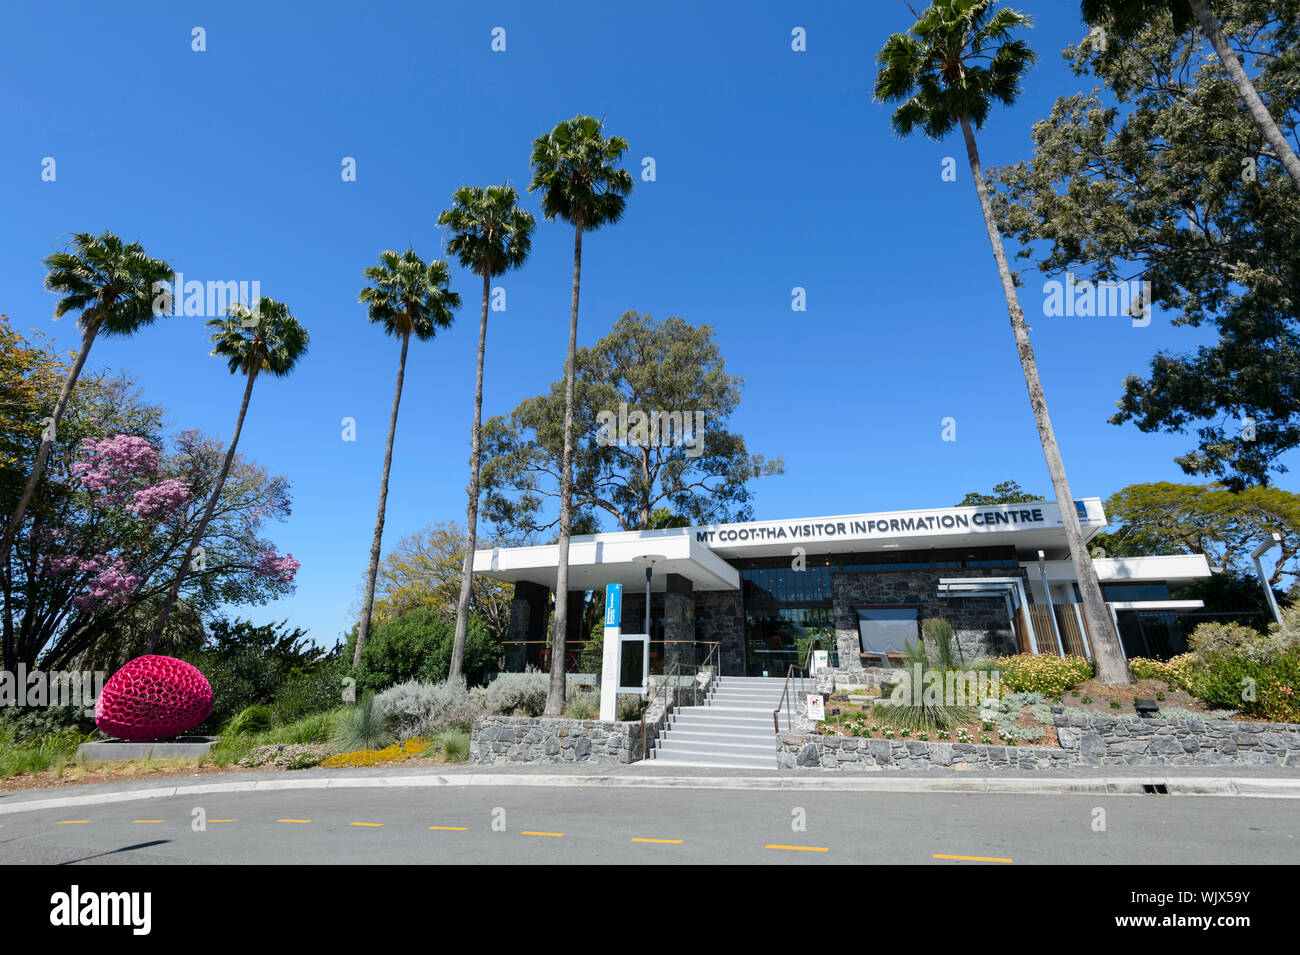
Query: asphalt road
(486, 824)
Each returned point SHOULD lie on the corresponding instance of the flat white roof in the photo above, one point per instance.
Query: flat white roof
(1175, 569)
(701, 553)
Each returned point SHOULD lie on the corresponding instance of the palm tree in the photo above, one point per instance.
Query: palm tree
(1126, 18)
(265, 338)
(490, 236)
(114, 286)
(947, 70)
(408, 297)
(575, 166)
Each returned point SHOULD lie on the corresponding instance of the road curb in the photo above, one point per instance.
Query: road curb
(1265, 788)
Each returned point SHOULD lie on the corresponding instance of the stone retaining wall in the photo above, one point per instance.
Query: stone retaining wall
(504, 740)
(796, 750)
(1133, 741)
(1085, 741)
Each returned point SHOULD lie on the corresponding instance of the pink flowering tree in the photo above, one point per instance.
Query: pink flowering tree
(116, 476)
(116, 507)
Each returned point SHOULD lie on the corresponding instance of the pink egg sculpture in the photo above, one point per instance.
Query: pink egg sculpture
(153, 697)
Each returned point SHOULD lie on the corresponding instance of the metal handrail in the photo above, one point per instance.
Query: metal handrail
(785, 692)
(668, 681)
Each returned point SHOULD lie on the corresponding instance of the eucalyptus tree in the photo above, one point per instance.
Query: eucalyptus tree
(263, 339)
(576, 168)
(1151, 157)
(1127, 18)
(115, 288)
(407, 296)
(946, 72)
(490, 235)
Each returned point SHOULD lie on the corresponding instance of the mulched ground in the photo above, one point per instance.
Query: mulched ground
(116, 772)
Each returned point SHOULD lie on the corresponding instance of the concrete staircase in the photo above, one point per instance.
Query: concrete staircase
(734, 729)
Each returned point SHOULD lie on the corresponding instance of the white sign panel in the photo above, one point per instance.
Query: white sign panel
(816, 706)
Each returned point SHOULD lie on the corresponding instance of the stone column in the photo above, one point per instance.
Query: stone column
(679, 622)
(527, 622)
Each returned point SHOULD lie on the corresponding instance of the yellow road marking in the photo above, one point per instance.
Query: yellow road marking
(800, 848)
(971, 858)
(527, 832)
(373, 825)
(451, 828)
(293, 820)
(668, 842)
(73, 822)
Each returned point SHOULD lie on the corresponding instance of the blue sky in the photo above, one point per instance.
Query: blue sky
(774, 170)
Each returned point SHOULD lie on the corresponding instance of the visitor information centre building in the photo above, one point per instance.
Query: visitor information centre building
(861, 585)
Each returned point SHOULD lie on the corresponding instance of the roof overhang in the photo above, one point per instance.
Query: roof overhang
(614, 558)
(1176, 570)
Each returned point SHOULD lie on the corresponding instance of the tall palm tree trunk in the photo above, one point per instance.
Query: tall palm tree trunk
(363, 633)
(555, 692)
(471, 512)
(1106, 650)
(1258, 111)
(38, 466)
(208, 511)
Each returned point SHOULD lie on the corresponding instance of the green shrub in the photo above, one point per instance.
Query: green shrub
(1269, 691)
(414, 709)
(417, 646)
(452, 745)
(305, 693)
(522, 694)
(287, 756)
(1048, 675)
(942, 647)
(249, 665)
(252, 719)
(582, 704)
(29, 724)
(362, 727)
(37, 754)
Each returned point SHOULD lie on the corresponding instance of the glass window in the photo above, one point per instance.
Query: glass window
(886, 629)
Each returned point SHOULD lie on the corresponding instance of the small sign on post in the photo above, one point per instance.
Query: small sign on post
(816, 706)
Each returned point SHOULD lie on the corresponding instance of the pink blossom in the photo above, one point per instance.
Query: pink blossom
(111, 587)
(111, 465)
(281, 568)
(159, 501)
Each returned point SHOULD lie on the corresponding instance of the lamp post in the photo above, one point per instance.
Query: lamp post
(649, 572)
(1255, 555)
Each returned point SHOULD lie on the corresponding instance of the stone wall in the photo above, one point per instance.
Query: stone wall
(980, 624)
(508, 740)
(1134, 741)
(1085, 741)
(720, 617)
(797, 750)
(505, 740)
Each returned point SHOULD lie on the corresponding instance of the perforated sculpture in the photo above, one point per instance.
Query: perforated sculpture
(153, 697)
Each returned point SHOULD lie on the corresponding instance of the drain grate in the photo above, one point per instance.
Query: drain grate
(1155, 789)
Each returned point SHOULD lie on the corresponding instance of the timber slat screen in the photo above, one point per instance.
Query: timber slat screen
(1043, 632)
(1070, 632)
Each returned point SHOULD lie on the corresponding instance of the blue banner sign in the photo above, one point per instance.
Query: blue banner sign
(613, 604)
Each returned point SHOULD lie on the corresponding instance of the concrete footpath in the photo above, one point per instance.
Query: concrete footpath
(1192, 781)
